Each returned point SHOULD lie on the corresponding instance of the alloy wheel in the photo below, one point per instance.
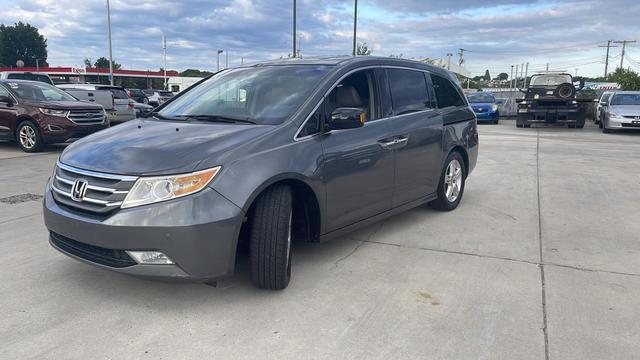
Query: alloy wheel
(27, 137)
(453, 180)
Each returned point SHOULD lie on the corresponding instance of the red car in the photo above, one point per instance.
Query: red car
(34, 114)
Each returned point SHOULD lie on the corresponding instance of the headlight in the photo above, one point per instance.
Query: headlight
(494, 108)
(154, 189)
(612, 114)
(53, 112)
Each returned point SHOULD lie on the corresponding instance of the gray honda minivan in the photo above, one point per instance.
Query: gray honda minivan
(260, 156)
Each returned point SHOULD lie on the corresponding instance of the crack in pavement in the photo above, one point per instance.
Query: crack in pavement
(362, 242)
(19, 218)
(541, 266)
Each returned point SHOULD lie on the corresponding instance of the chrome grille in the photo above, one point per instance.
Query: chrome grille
(103, 193)
(86, 117)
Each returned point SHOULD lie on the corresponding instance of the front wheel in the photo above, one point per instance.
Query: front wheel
(451, 186)
(29, 137)
(270, 238)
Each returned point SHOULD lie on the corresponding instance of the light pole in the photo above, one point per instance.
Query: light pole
(355, 25)
(164, 48)
(294, 28)
(218, 62)
(110, 51)
(449, 55)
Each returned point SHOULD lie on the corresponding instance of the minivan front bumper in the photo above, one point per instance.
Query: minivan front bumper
(198, 233)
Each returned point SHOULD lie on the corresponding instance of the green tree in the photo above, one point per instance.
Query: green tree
(87, 63)
(194, 73)
(22, 42)
(502, 77)
(487, 76)
(103, 63)
(628, 79)
(363, 49)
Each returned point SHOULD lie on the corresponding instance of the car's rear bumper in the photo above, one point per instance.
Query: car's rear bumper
(198, 233)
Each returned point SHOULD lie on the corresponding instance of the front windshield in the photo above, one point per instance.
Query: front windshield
(550, 80)
(264, 95)
(481, 98)
(626, 99)
(39, 92)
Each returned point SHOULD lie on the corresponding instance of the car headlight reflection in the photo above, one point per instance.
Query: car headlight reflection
(149, 190)
(494, 108)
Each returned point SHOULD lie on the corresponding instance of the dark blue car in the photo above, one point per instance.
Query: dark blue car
(485, 105)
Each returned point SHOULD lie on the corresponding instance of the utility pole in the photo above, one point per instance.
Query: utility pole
(461, 53)
(526, 73)
(164, 48)
(37, 64)
(226, 59)
(355, 25)
(294, 29)
(511, 78)
(515, 85)
(110, 51)
(624, 44)
(606, 61)
(547, 67)
(449, 55)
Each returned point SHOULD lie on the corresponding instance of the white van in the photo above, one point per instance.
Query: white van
(25, 75)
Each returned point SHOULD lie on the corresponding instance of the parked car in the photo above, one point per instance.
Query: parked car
(25, 75)
(485, 105)
(157, 97)
(604, 99)
(142, 109)
(621, 112)
(34, 114)
(123, 109)
(138, 96)
(263, 155)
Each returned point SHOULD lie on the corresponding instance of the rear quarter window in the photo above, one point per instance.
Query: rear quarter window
(408, 91)
(447, 94)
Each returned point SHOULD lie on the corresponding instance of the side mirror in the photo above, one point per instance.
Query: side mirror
(7, 100)
(346, 118)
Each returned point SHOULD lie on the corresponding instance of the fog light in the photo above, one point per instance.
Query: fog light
(150, 257)
(54, 128)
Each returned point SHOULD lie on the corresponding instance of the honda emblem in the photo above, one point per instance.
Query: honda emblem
(79, 190)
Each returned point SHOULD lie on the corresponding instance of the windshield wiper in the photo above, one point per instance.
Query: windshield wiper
(157, 115)
(219, 118)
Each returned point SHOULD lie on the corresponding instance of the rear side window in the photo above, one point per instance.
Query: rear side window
(28, 76)
(446, 93)
(118, 93)
(408, 91)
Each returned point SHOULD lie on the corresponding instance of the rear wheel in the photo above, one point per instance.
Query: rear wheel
(29, 137)
(451, 186)
(270, 238)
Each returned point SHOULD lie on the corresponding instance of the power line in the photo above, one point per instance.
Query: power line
(624, 44)
(535, 51)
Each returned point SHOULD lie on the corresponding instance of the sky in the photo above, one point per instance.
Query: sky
(495, 33)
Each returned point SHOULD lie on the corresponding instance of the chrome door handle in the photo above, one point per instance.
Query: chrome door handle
(388, 145)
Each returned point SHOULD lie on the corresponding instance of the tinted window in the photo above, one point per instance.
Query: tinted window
(626, 99)
(116, 92)
(29, 76)
(408, 91)
(446, 93)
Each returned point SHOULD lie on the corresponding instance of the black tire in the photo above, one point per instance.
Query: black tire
(519, 125)
(30, 130)
(603, 126)
(527, 125)
(443, 202)
(270, 238)
(495, 122)
(580, 126)
(565, 91)
(571, 126)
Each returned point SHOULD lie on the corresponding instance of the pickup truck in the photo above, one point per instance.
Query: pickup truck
(119, 106)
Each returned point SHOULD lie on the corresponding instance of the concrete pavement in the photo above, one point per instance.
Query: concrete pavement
(460, 285)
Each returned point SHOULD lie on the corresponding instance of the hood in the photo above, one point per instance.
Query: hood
(64, 105)
(626, 110)
(481, 106)
(149, 147)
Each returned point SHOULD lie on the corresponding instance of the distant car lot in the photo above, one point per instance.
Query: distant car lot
(462, 285)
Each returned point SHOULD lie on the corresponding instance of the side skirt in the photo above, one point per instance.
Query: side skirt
(377, 218)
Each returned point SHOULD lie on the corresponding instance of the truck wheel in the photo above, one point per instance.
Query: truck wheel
(270, 238)
(519, 125)
(527, 125)
(451, 186)
(29, 137)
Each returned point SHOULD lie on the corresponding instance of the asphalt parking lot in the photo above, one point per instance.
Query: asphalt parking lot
(540, 261)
